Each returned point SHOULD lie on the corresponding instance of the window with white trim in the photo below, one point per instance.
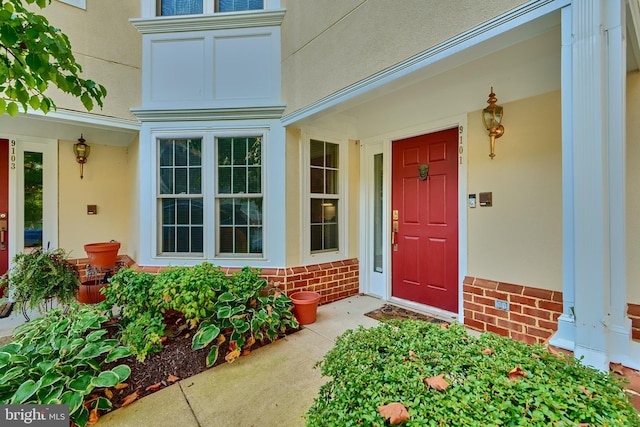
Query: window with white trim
(324, 200)
(233, 167)
(191, 7)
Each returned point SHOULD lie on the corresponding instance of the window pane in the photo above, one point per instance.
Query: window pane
(255, 211)
(181, 7)
(226, 212)
(224, 151)
(317, 153)
(224, 180)
(181, 181)
(226, 239)
(166, 152)
(168, 239)
(182, 229)
(317, 180)
(255, 180)
(240, 208)
(254, 156)
(237, 5)
(195, 181)
(255, 240)
(33, 202)
(331, 182)
(239, 151)
(324, 225)
(197, 239)
(240, 240)
(377, 213)
(168, 211)
(239, 180)
(166, 181)
(331, 155)
(180, 153)
(182, 239)
(195, 152)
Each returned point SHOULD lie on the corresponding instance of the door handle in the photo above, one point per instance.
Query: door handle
(3, 231)
(394, 233)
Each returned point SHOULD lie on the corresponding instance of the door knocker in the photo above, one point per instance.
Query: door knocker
(424, 171)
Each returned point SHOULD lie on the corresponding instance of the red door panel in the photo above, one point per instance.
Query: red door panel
(425, 256)
(4, 204)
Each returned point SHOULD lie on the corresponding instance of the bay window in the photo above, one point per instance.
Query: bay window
(190, 7)
(210, 195)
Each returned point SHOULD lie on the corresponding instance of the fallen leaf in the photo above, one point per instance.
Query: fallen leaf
(535, 356)
(93, 416)
(395, 412)
(413, 354)
(130, 398)
(437, 383)
(617, 368)
(444, 326)
(250, 342)
(488, 351)
(108, 393)
(172, 378)
(232, 345)
(554, 352)
(163, 339)
(269, 310)
(585, 391)
(153, 387)
(232, 355)
(221, 339)
(246, 352)
(516, 373)
(120, 386)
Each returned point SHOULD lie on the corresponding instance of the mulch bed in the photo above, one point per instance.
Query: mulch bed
(176, 361)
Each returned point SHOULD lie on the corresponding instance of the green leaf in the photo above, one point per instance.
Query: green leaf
(72, 398)
(226, 297)
(105, 379)
(51, 378)
(12, 109)
(90, 351)
(122, 371)
(212, 356)
(102, 403)
(118, 353)
(205, 335)
(82, 383)
(224, 312)
(3, 106)
(96, 335)
(25, 391)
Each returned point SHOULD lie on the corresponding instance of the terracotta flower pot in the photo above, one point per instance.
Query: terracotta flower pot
(89, 292)
(305, 306)
(102, 255)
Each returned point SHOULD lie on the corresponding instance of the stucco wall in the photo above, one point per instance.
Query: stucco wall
(362, 37)
(106, 185)
(633, 187)
(108, 48)
(519, 239)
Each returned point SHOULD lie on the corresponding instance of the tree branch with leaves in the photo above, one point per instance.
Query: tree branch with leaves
(33, 55)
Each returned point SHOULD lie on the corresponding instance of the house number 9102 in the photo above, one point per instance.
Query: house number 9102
(13, 154)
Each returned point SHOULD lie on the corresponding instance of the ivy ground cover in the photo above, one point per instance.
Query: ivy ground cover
(420, 374)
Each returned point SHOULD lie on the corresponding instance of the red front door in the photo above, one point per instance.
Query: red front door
(425, 214)
(4, 207)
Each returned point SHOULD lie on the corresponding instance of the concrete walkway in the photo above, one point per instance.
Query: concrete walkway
(274, 386)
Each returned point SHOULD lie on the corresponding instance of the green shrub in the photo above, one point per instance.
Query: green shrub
(241, 308)
(378, 366)
(57, 359)
(247, 311)
(129, 297)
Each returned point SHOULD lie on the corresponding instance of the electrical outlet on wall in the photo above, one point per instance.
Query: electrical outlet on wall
(502, 305)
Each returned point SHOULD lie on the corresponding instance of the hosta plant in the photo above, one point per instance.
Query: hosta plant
(420, 374)
(58, 359)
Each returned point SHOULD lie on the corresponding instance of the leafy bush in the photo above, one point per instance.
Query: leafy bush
(42, 274)
(485, 381)
(241, 308)
(57, 359)
(249, 310)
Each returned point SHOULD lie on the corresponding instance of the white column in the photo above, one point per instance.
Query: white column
(565, 336)
(598, 177)
(620, 324)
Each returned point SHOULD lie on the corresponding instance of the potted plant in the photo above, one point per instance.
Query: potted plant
(40, 276)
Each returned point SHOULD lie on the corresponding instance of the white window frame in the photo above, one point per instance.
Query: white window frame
(209, 193)
(209, 7)
(81, 4)
(343, 208)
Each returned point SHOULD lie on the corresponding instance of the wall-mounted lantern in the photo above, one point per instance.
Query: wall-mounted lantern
(81, 149)
(492, 119)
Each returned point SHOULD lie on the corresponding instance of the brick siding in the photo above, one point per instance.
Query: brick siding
(633, 311)
(332, 280)
(532, 316)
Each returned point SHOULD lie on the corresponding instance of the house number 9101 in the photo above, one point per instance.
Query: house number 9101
(13, 154)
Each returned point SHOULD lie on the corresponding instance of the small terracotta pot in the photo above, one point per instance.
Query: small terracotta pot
(102, 255)
(89, 292)
(305, 306)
